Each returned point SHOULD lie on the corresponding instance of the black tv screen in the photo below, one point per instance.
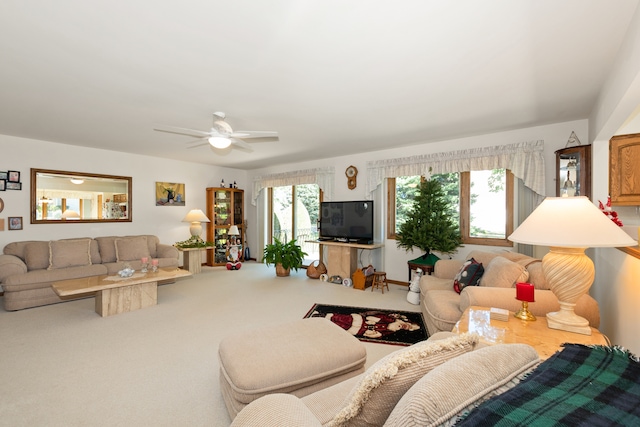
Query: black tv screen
(347, 220)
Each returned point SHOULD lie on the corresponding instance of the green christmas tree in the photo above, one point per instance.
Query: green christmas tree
(430, 225)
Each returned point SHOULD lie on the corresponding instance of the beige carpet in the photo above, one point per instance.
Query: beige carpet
(64, 365)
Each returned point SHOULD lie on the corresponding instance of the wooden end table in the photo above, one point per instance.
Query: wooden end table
(536, 333)
(427, 269)
(115, 294)
(192, 262)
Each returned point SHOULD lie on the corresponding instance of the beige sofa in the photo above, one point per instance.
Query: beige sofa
(28, 268)
(417, 385)
(442, 306)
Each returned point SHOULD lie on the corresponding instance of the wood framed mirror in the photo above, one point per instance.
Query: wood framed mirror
(62, 197)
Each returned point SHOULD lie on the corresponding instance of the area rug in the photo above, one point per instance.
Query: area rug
(374, 324)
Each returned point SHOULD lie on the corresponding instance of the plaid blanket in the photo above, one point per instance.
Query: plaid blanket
(578, 386)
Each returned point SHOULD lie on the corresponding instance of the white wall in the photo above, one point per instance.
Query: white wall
(164, 221)
(392, 259)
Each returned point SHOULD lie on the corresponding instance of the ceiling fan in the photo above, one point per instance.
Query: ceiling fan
(221, 135)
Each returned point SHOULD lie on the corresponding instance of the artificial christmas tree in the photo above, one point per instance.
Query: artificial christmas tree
(429, 225)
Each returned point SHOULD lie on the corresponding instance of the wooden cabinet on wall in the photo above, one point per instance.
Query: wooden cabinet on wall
(624, 170)
(225, 207)
(573, 171)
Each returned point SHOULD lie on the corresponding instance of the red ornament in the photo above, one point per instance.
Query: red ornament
(609, 212)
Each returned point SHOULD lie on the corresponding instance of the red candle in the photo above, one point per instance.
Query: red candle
(144, 260)
(154, 262)
(524, 292)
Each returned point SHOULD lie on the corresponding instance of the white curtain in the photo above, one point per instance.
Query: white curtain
(525, 160)
(324, 177)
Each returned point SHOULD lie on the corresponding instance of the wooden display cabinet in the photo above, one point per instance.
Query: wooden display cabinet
(624, 173)
(573, 171)
(225, 207)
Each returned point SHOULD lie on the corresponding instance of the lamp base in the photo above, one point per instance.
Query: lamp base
(524, 313)
(565, 320)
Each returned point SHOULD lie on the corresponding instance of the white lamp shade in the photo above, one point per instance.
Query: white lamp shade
(70, 214)
(572, 222)
(196, 215)
(233, 231)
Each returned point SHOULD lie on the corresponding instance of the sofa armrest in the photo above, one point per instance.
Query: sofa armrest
(167, 251)
(447, 268)
(11, 265)
(276, 410)
(546, 302)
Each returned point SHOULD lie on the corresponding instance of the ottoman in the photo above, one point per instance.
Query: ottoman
(298, 358)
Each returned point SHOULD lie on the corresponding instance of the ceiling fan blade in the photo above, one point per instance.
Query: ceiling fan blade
(200, 142)
(183, 131)
(241, 145)
(254, 134)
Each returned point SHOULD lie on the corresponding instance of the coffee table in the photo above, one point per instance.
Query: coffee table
(536, 333)
(115, 294)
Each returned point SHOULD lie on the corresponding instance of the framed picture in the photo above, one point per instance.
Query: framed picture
(13, 185)
(3, 184)
(4, 175)
(169, 194)
(15, 223)
(14, 176)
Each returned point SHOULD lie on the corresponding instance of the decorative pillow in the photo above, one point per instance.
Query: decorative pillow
(69, 253)
(469, 275)
(383, 384)
(36, 256)
(502, 273)
(131, 248)
(453, 388)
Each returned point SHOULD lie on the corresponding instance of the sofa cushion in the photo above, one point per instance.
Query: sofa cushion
(469, 275)
(69, 253)
(131, 248)
(448, 391)
(383, 384)
(502, 273)
(37, 255)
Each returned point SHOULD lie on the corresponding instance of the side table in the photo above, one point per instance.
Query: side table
(192, 262)
(536, 333)
(427, 269)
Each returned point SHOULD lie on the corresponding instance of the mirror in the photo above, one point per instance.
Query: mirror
(62, 197)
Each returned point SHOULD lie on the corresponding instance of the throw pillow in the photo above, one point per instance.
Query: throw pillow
(469, 275)
(502, 273)
(69, 253)
(36, 256)
(455, 387)
(371, 401)
(131, 248)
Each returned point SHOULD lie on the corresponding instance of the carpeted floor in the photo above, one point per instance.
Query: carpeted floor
(64, 365)
(375, 325)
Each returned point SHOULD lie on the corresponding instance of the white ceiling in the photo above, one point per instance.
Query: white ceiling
(332, 77)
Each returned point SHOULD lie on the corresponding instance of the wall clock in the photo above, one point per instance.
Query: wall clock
(351, 174)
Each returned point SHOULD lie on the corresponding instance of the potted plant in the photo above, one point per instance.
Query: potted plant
(430, 225)
(285, 256)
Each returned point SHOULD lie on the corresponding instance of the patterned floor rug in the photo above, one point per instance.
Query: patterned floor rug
(375, 325)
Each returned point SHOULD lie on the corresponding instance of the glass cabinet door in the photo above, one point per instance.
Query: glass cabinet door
(573, 171)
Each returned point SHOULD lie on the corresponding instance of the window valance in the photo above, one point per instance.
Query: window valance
(324, 177)
(525, 160)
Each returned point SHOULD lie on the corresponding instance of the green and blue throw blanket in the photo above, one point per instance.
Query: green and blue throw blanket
(578, 386)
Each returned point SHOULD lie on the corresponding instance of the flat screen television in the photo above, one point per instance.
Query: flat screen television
(347, 221)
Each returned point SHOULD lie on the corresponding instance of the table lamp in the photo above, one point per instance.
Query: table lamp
(233, 231)
(569, 225)
(195, 217)
(70, 214)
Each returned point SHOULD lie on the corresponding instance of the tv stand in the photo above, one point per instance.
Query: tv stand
(342, 257)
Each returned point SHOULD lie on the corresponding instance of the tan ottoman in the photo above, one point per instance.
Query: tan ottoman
(298, 357)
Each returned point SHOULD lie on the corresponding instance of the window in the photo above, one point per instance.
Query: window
(483, 200)
(294, 212)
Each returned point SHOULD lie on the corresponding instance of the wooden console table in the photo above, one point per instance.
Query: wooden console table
(537, 334)
(342, 258)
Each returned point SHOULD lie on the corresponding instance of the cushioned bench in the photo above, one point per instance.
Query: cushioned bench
(298, 358)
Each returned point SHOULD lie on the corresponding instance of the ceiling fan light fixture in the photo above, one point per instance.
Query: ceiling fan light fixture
(219, 142)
